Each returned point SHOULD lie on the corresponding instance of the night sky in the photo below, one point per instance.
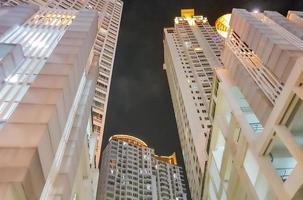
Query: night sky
(139, 102)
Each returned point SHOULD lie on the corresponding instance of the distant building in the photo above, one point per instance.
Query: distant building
(132, 170)
(109, 12)
(47, 88)
(191, 53)
(257, 110)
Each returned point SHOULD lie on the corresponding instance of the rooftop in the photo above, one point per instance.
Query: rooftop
(139, 143)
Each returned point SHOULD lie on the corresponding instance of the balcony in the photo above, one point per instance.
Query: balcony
(250, 116)
(266, 81)
(281, 159)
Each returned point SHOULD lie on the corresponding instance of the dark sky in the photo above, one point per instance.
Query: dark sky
(140, 102)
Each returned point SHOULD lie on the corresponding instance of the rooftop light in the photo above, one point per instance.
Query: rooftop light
(256, 10)
(222, 25)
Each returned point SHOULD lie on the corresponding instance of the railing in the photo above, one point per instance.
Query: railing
(257, 127)
(284, 173)
(245, 109)
(265, 80)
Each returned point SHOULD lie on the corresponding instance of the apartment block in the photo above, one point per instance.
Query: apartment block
(47, 88)
(109, 12)
(191, 53)
(256, 110)
(131, 170)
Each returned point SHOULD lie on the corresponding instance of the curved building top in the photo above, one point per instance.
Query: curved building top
(129, 139)
(222, 25)
(139, 143)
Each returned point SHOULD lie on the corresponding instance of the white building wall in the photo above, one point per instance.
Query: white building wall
(132, 172)
(190, 55)
(255, 150)
(46, 102)
(109, 12)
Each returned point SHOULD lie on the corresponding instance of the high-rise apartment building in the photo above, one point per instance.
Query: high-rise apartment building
(109, 12)
(257, 110)
(191, 50)
(131, 170)
(47, 87)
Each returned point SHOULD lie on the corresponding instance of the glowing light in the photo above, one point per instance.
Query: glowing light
(53, 19)
(129, 139)
(172, 159)
(205, 20)
(187, 44)
(222, 25)
(187, 13)
(256, 10)
(191, 21)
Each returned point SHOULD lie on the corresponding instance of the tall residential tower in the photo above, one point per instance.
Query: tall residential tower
(191, 53)
(47, 88)
(257, 110)
(105, 43)
(131, 170)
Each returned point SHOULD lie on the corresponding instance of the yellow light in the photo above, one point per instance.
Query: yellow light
(187, 13)
(53, 19)
(172, 159)
(128, 138)
(139, 143)
(222, 25)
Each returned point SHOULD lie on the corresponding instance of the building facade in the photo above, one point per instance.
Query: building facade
(257, 110)
(131, 170)
(191, 53)
(47, 88)
(109, 12)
